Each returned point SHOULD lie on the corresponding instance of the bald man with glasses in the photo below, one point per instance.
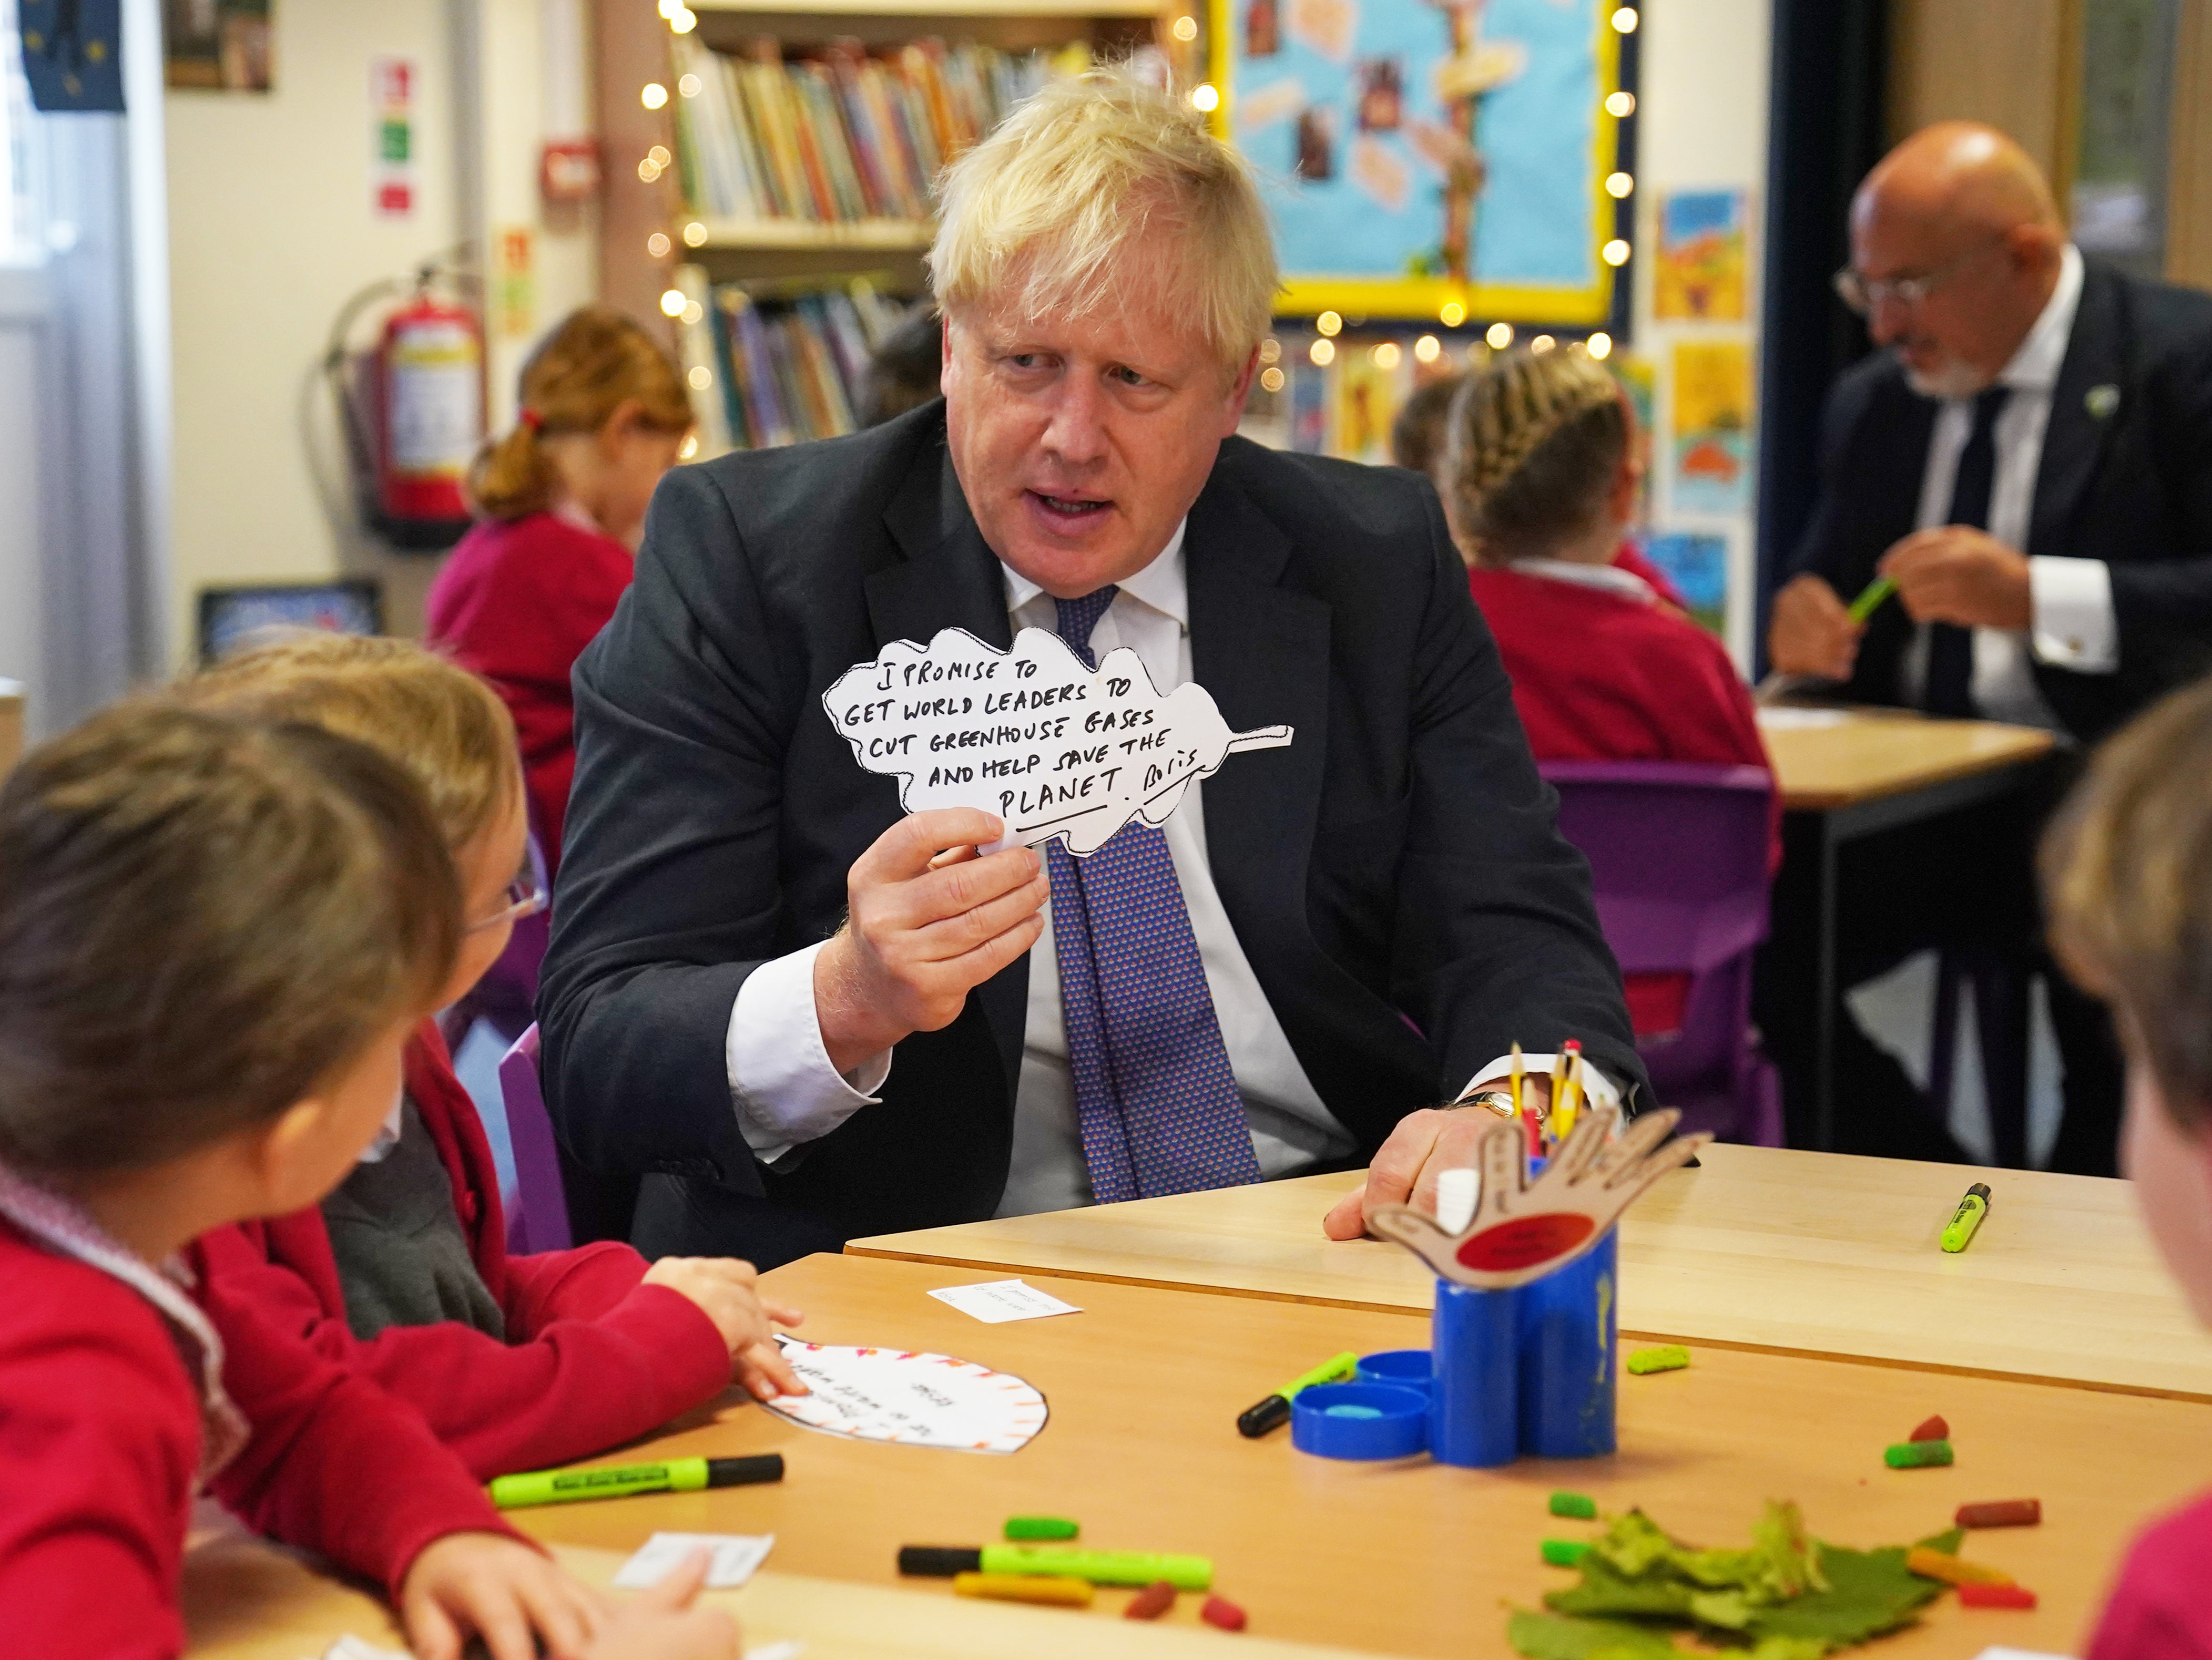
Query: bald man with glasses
(2029, 459)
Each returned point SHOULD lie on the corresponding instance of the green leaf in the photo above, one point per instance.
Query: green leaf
(1606, 1592)
(1868, 1592)
(1549, 1637)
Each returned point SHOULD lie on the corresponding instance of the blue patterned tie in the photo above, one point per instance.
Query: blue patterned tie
(1153, 1089)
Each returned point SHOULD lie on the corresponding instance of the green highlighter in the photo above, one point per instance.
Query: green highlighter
(1871, 597)
(1100, 1567)
(1273, 1412)
(1966, 1218)
(566, 1487)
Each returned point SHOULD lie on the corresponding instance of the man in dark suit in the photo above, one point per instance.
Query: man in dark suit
(2030, 462)
(821, 1019)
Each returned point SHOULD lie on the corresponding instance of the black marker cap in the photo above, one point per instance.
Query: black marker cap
(1271, 1414)
(939, 1561)
(744, 1472)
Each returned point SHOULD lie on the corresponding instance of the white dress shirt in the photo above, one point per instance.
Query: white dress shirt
(2071, 599)
(786, 1092)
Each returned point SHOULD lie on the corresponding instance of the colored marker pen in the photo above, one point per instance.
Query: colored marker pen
(1274, 1411)
(1966, 1218)
(1871, 598)
(1100, 1567)
(566, 1487)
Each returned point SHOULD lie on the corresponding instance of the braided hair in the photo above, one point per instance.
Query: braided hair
(1531, 450)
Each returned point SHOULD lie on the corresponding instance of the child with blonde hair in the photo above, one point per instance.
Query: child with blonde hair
(215, 936)
(1539, 479)
(604, 414)
(2127, 879)
(402, 1273)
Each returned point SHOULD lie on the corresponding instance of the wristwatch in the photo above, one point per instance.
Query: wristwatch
(1497, 1100)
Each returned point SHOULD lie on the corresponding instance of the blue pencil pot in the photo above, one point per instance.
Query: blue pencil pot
(1399, 1368)
(1474, 1419)
(1567, 1323)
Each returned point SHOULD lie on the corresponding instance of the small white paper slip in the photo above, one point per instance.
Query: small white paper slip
(996, 1301)
(1786, 717)
(737, 1555)
(2017, 1654)
(351, 1647)
(790, 1650)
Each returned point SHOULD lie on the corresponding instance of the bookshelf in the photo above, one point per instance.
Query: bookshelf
(700, 205)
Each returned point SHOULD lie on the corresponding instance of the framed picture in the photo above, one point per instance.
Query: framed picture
(218, 45)
(1421, 154)
(231, 617)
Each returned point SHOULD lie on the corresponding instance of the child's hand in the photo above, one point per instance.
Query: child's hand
(502, 1591)
(725, 1291)
(662, 1625)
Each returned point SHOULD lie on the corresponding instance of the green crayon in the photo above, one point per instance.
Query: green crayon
(566, 1487)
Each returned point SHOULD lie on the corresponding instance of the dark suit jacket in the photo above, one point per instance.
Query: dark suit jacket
(2127, 482)
(1399, 856)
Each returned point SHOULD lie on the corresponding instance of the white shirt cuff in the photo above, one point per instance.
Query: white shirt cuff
(1596, 1086)
(782, 1083)
(2072, 606)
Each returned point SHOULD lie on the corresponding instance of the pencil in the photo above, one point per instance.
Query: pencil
(1516, 1080)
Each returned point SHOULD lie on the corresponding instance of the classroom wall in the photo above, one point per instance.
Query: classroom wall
(272, 229)
(1703, 110)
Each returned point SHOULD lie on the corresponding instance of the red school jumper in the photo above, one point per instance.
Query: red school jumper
(1601, 675)
(593, 1357)
(101, 1446)
(517, 602)
(2162, 1609)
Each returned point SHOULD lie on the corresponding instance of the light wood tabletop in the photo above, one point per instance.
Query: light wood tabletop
(1821, 765)
(1405, 1558)
(1810, 1253)
(247, 1600)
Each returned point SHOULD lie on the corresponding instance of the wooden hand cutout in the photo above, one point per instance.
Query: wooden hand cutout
(1521, 1231)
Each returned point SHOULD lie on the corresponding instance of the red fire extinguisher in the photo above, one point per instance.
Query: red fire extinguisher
(413, 409)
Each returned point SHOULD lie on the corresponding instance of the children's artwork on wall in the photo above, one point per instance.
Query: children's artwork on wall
(1697, 564)
(1368, 395)
(1419, 152)
(1640, 379)
(1700, 273)
(1309, 409)
(1711, 449)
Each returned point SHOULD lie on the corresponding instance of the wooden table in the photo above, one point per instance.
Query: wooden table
(1874, 770)
(246, 1600)
(1763, 1248)
(1410, 1557)
(11, 723)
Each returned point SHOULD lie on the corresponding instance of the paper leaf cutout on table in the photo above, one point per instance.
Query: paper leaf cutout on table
(1522, 1230)
(1031, 735)
(920, 1400)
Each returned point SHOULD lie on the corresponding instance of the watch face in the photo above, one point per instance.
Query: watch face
(1496, 1100)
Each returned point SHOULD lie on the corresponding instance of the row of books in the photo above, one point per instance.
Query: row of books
(843, 137)
(780, 367)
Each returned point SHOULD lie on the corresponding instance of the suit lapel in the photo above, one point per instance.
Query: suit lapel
(2073, 442)
(950, 579)
(1262, 651)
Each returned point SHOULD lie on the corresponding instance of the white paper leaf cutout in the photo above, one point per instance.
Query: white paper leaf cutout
(1031, 735)
(899, 1394)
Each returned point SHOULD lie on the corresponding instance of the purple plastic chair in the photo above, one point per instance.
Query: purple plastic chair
(1678, 853)
(540, 1221)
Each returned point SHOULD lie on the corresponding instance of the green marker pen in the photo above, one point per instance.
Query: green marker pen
(1871, 598)
(1274, 1412)
(566, 1487)
(1100, 1567)
(1966, 1218)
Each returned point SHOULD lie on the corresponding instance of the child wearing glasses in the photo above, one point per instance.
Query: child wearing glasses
(518, 1362)
(215, 936)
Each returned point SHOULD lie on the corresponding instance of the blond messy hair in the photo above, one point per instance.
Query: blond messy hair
(1048, 202)
(445, 727)
(1531, 449)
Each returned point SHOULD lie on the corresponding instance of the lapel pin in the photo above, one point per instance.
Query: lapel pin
(2101, 402)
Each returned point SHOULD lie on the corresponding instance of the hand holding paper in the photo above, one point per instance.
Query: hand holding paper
(1522, 1230)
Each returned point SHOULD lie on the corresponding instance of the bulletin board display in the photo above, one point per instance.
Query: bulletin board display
(1415, 154)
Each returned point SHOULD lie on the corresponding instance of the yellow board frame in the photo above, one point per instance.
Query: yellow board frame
(1410, 299)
